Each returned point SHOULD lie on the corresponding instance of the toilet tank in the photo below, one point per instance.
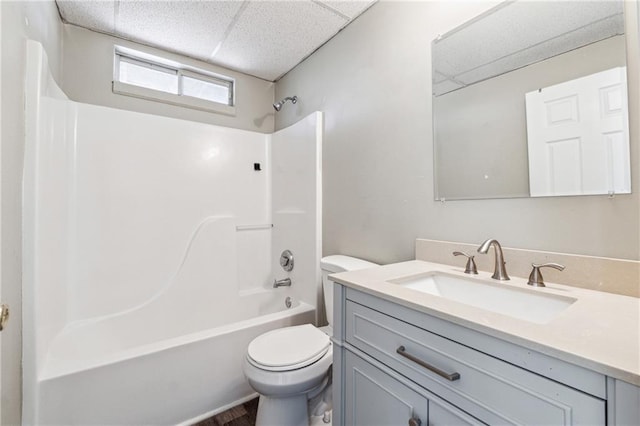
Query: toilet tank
(331, 265)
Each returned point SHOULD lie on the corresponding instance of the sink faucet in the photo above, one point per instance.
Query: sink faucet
(500, 272)
(285, 282)
(535, 278)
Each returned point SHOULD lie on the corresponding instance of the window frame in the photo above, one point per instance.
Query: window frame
(180, 70)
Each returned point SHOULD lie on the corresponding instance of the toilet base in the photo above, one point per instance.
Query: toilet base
(289, 411)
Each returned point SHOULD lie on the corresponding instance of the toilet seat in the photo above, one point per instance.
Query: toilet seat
(288, 348)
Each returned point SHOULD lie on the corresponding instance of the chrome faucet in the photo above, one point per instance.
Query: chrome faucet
(535, 278)
(285, 282)
(500, 272)
(471, 267)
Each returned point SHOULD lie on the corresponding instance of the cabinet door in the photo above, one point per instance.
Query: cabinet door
(444, 414)
(373, 398)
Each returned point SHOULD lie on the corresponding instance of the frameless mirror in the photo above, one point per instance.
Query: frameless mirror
(530, 99)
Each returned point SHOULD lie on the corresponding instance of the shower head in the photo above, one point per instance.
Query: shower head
(278, 105)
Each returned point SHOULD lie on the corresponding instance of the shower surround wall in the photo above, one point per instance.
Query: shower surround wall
(149, 256)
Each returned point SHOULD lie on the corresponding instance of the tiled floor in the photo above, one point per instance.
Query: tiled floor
(240, 415)
(245, 415)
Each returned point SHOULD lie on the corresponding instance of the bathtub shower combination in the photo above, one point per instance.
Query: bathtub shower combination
(150, 249)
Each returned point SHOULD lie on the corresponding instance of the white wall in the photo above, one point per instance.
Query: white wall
(88, 63)
(373, 83)
(296, 177)
(20, 20)
(143, 186)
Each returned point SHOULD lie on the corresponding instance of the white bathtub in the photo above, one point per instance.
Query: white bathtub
(150, 246)
(165, 381)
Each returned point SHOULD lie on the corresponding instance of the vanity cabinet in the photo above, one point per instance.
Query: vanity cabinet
(393, 363)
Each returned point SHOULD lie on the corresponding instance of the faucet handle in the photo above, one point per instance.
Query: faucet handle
(535, 277)
(471, 267)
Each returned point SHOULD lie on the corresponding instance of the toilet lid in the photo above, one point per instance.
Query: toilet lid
(288, 348)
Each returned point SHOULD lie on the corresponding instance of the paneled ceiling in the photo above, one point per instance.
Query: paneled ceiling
(263, 38)
(517, 34)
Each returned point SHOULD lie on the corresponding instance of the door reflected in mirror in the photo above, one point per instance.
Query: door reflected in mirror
(552, 74)
(577, 136)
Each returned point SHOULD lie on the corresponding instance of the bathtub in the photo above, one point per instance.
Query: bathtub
(172, 380)
(150, 245)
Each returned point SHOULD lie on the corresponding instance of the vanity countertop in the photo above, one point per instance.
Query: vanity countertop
(600, 331)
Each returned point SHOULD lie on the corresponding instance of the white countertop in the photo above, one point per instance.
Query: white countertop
(600, 331)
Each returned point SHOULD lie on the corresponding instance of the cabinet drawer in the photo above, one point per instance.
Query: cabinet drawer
(374, 397)
(492, 390)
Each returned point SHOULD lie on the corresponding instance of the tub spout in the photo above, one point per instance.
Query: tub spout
(286, 282)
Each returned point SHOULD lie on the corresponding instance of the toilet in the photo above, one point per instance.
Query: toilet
(290, 367)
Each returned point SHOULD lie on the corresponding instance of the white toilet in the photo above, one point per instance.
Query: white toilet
(290, 367)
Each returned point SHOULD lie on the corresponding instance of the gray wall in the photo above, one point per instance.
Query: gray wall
(373, 83)
(88, 64)
(20, 20)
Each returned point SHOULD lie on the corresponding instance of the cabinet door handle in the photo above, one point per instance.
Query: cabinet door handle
(451, 377)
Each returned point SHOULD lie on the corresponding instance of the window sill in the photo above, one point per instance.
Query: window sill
(169, 98)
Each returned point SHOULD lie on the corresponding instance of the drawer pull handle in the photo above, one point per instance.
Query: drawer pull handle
(451, 377)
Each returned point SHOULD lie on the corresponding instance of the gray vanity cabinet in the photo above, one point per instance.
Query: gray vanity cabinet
(392, 364)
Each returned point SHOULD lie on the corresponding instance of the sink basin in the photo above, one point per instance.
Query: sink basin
(525, 304)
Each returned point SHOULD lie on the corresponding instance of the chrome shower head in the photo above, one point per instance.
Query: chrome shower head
(278, 105)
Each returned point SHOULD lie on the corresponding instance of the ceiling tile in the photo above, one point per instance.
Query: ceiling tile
(96, 15)
(264, 38)
(271, 37)
(502, 32)
(193, 28)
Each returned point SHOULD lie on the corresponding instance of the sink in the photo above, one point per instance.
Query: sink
(525, 304)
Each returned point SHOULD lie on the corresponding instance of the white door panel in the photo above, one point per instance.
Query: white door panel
(578, 137)
(565, 168)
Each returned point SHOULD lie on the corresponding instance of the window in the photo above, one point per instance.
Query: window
(149, 78)
(147, 75)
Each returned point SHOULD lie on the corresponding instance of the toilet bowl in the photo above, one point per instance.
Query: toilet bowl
(290, 367)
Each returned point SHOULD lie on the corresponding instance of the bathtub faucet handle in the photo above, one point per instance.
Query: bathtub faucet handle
(286, 260)
(286, 282)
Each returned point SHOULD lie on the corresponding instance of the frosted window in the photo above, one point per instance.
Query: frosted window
(149, 76)
(181, 85)
(208, 90)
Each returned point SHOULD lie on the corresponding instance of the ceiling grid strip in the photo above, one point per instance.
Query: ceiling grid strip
(230, 28)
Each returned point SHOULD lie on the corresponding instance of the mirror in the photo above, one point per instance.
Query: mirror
(530, 99)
